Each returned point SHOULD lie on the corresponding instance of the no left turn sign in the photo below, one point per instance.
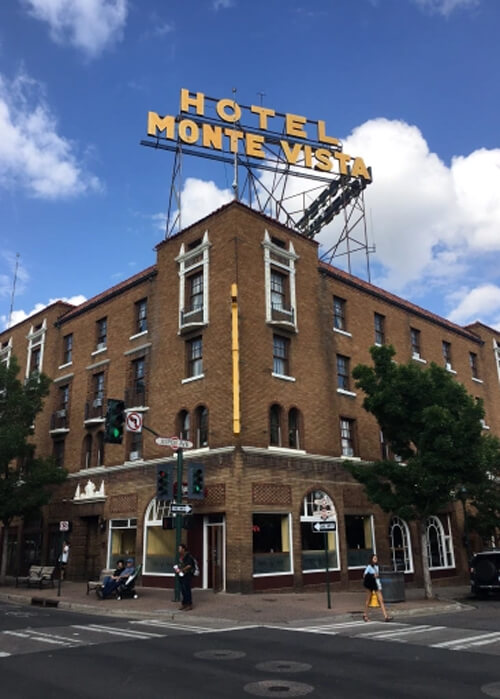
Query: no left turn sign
(133, 422)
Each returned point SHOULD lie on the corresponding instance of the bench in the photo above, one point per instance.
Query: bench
(97, 584)
(37, 576)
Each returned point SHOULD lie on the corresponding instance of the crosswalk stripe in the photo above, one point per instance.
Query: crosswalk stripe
(43, 638)
(390, 633)
(173, 625)
(468, 640)
(129, 633)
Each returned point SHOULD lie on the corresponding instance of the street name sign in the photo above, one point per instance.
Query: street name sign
(181, 509)
(324, 526)
(174, 443)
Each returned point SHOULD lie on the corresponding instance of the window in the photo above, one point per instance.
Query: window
(280, 355)
(58, 452)
(347, 436)
(201, 416)
(36, 359)
(195, 357)
(184, 425)
(123, 536)
(473, 365)
(447, 354)
(63, 397)
(87, 451)
(343, 373)
(379, 329)
(278, 297)
(275, 426)
(439, 543)
(279, 270)
(139, 378)
(195, 284)
(271, 544)
(160, 549)
(415, 342)
(359, 539)
(100, 449)
(102, 333)
(339, 319)
(68, 349)
(293, 429)
(36, 345)
(141, 316)
(399, 541)
(317, 505)
(98, 380)
(135, 446)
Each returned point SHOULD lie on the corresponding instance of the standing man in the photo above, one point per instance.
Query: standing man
(64, 558)
(185, 571)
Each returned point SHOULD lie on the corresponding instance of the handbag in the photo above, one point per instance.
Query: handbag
(369, 581)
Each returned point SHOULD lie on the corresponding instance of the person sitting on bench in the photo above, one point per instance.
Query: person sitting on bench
(113, 581)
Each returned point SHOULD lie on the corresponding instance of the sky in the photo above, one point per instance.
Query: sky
(411, 86)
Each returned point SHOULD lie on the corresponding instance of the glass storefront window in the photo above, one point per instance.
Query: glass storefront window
(272, 553)
(359, 537)
(159, 544)
(122, 540)
(318, 506)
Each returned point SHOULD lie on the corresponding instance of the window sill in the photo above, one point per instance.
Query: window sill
(350, 458)
(94, 421)
(477, 380)
(65, 430)
(287, 450)
(271, 575)
(63, 366)
(418, 358)
(450, 370)
(342, 332)
(485, 427)
(193, 378)
(284, 377)
(98, 351)
(141, 334)
(344, 392)
(137, 409)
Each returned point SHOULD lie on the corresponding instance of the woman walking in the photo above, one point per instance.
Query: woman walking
(371, 580)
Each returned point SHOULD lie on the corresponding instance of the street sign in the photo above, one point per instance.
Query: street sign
(183, 509)
(64, 526)
(133, 422)
(174, 443)
(324, 526)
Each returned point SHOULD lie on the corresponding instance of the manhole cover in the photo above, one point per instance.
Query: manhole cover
(283, 666)
(219, 654)
(491, 690)
(278, 688)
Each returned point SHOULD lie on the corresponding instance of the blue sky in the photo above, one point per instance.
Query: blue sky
(410, 85)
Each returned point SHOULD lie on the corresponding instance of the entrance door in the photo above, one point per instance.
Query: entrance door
(215, 556)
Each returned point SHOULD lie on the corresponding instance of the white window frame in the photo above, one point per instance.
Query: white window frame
(280, 259)
(290, 538)
(445, 543)
(36, 339)
(407, 548)
(155, 512)
(189, 262)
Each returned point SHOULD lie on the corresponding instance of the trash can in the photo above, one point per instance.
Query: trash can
(393, 586)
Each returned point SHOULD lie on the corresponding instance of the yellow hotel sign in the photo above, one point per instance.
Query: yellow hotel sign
(302, 142)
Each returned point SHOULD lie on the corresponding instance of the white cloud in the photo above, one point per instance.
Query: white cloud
(199, 198)
(477, 303)
(32, 154)
(445, 7)
(19, 316)
(88, 25)
(222, 4)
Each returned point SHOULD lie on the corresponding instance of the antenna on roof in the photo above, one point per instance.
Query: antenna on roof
(13, 290)
(235, 180)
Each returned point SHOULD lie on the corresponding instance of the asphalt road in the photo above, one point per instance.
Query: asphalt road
(50, 653)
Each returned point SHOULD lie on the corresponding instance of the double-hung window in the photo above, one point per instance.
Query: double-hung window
(141, 316)
(343, 377)
(415, 342)
(68, 349)
(281, 355)
(339, 317)
(379, 321)
(347, 444)
(195, 357)
(102, 333)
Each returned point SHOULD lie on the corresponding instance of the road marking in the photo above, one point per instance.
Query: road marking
(389, 634)
(465, 641)
(174, 625)
(114, 631)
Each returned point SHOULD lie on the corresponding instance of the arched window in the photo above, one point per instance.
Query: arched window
(87, 451)
(183, 424)
(317, 506)
(439, 543)
(294, 429)
(159, 543)
(400, 544)
(201, 436)
(100, 449)
(275, 426)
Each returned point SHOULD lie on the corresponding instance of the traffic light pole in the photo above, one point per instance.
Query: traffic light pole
(178, 522)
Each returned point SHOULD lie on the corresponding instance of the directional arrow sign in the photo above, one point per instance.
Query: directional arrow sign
(324, 526)
(174, 443)
(184, 509)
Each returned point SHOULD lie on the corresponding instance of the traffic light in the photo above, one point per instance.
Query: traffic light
(164, 481)
(115, 417)
(196, 481)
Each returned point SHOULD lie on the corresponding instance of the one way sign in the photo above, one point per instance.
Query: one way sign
(324, 526)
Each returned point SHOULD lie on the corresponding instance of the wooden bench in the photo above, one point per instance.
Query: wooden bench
(97, 584)
(38, 576)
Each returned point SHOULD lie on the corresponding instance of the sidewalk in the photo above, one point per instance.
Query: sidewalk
(264, 608)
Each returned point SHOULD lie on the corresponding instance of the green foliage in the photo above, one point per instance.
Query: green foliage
(433, 424)
(25, 481)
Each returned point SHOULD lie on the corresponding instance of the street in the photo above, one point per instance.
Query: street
(47, 653)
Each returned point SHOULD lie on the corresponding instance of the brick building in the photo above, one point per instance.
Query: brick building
(241, 341)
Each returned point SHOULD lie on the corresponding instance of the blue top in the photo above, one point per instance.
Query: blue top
(373, 570)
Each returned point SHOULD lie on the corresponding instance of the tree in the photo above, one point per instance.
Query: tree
(484, 497)
(25, 480)
(434, 426)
